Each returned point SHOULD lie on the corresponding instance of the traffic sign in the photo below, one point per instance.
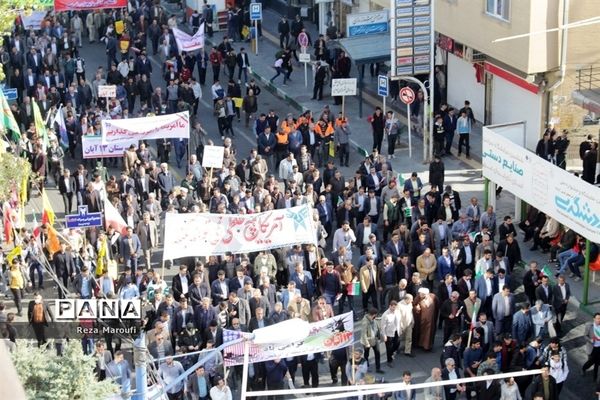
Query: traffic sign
(303, 40)
(407, 95)
(255, 11)
(304, 57)
(10, 94)
(383, 88)
(83, 219)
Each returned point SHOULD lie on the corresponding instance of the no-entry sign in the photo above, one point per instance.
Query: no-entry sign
(407, 95)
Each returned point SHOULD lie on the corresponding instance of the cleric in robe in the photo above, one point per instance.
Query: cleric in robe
(426, 310)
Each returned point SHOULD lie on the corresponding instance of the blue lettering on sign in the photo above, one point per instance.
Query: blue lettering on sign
(83, 220)
(368, 29)
(582, 212)
(510, 166)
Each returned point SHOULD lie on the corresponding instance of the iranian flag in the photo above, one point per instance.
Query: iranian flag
(113, 218)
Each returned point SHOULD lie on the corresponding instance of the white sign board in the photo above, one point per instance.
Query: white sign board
(107, 91)
(186, 42)
(213, 157)
(552, 190)
(33, 20)
(343, 87)
(304, 57)
(92, 147)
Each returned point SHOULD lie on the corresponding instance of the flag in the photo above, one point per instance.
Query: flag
(14, 253)
(48, 213)
(59, 119)
(474, 315)
(8, 120)
(23, 196)
(362, 151)
(8, 225)
(547, 271)
(40, 126)
(400, 180)
(53, 243)
(36, 227)
(113, 218)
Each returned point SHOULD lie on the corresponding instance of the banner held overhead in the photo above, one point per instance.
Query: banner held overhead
(186, 42)
(75, 5)
(189, 235)
(169, 126)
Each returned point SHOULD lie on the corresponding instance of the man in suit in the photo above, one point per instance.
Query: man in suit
(394, 247)
(120, 371)
(130, 250)
(467, 255)
(160, 345)
(258, 321)
(544, 291)
(166, 181)
(561, 293)
(407, 393)
(363, 230)
(198, 385)
(238, 308)
(219, 288)
(66, 188)
(243, 63)
(503, 308)
(299, 307)
(441, 235)
(81, 182)
(34, 61)
(325, 214)
(258, 301)
(92, 199)
(181, 283)
(148, 234)
(484, 286)
(465, 284)
(64, 267)
(103, 358)
(370, 281)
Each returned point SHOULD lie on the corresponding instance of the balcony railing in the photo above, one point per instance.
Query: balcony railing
(588, 78)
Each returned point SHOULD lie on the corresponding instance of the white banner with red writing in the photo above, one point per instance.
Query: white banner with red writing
(290, 338)
(168, 126)
(189, 235)
(186, 42)
(74, 5)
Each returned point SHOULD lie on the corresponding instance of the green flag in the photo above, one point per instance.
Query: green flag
(40, 125)
(547, 271)
(362, 151)
(400, 180)
(7, 120)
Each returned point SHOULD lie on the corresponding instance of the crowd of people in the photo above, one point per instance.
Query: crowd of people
(422, 259)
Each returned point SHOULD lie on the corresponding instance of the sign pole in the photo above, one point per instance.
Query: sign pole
(384, 112)
(245, 369)
(343, 106)
(256, 36)
(409, 131)
(586, 274)
(305, 69)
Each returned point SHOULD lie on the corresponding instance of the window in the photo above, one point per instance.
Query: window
(498, 8)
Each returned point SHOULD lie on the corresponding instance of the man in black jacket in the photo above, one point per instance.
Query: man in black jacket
(181, 283)
(320, 76)
(64, 266)
(284, 32)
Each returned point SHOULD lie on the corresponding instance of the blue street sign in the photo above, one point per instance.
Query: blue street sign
(383, 88)
(10, 94)
(255, 11)
(83, 219)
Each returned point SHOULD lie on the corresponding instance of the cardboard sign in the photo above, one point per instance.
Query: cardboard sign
(343, 87)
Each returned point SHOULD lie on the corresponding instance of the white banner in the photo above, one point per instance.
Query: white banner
(189, 235)
(92, 147)
(107, 90)
(290, 338)
(343, 87)
(213, 156)
(186, 42)
(33, 20)
(556, 192)
(167, 126)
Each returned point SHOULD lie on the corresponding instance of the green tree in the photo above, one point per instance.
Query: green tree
(46, 376)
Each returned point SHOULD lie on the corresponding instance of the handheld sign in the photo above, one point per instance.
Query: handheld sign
(343, 87)
(83, 219)
(213, 157)
(107, 91)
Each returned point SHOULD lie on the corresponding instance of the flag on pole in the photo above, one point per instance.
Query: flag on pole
(113, 218)
(48, 213)
(547, 271)
(476, 307)
(36, 227)
(8, 120)
(14, 253)
(40, 126)
(59, 119)
(8, 223)
(362, 152)
(23, 197)
(53, 243)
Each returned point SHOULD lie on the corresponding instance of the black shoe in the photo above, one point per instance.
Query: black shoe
(409, 355)
(334, 381)
(534, 248)
(390, 364)
(379, 371)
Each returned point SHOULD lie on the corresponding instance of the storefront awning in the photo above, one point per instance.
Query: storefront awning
(366, 49)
